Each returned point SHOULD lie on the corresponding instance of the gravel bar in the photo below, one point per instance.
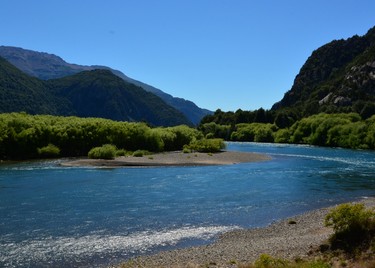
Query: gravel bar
(288, 238)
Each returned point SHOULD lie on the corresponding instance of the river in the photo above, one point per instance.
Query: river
(58, 216)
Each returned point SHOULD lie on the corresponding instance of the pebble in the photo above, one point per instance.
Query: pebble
(280, 239)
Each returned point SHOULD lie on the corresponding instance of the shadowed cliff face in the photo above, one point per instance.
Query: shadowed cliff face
(48, 66)
(337, 75)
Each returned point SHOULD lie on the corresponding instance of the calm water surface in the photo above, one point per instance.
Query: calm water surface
(57, 216)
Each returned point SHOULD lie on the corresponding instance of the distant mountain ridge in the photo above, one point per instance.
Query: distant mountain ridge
(337, 77)
(49, 66)
(97, 93)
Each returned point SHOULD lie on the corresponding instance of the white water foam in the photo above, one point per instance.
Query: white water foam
(52, 249)
(351, 161)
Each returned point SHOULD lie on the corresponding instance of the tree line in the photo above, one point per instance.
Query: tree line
(34, 136)
(31, 136)
(347, 130)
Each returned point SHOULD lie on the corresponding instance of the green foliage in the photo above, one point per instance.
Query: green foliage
(174, 138)
(354, 225)
(335, 130)
(206, 145)
(369, 138)
(21, 135)
(20, 92)
(107, 151)
(266, 261)
(334, 78)
(140, 153)
(211, 130)
(121, 152)
(230, 118)
(347, 130)
(257, 132)
(49, 151)
(97, 93)
(285, 118)
(282, 136)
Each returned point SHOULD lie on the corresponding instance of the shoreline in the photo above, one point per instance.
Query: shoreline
(296, 237)
(168, 159)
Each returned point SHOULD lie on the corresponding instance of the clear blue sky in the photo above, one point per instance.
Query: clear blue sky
(226, 54)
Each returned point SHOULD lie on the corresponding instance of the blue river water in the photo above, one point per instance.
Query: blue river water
(57, 216)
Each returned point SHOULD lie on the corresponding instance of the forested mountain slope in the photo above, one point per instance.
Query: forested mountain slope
(337, 77)
(97, 93)
(100, 93)
(48, 66)
(20, 92)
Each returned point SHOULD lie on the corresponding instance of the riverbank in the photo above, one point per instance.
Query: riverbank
(173, 159)
(297, 237)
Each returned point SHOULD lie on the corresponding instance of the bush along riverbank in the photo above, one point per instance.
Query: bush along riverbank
(321, 238)
(24, 136)
(346, 130)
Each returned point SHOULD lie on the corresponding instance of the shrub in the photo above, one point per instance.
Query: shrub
(354, 225)
(212, 130)
(206, 145)
(107, 151)
(257, 132)
(49, 151)
(121, 152)
(267, 261)
(282, 136)
(140, 153)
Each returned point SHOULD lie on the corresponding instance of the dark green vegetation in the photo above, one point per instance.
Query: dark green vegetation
(331, 103)
(354, 227)
(205, 146)
(267, 261)
(26, 136)
(97, 93)
(351, 245)
(339, 77)
(334, 130)
(107, 151)
(48, 66)
(49, 151)
(19, 91)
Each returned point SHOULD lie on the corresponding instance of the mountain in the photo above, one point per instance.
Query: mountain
(337, 77)
(97, 93)
(100, 93)
(20, 92)
(48, 66)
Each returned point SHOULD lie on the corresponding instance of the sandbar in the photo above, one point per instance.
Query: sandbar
(172, 159)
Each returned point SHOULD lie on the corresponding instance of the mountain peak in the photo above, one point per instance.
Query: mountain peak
(337, 77)
(49, 66)
(96, 93)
